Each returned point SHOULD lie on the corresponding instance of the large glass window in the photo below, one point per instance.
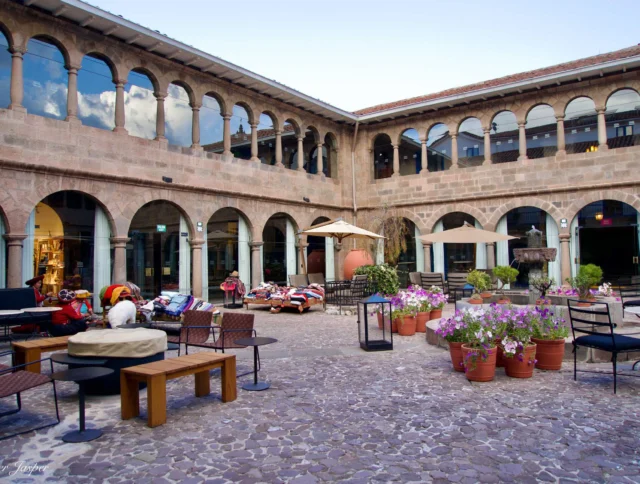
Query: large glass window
(266, 140)
(290, 145)
(96, 94)
(5, 72)
(410, 151)
(623, 119)
(438, 148)
(581, 126)
(279, 250)
(519, 222)
(470, 143)
(310, 144)
(45, 80)
(140, 106)
(211, 125)
(382, 157)
(331, 163)
(222, 249)
(504, 135)
(178, 116)
(240, 133)
(542, 132)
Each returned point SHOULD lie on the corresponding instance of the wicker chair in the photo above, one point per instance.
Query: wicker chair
(195, 330)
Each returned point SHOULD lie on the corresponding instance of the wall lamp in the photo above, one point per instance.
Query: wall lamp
(599, 216)
(166, 179)
(306, 199)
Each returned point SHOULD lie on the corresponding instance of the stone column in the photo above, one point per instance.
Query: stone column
(487, 146)
(226, 136)
(17, 83)
(195, 125)
(254, 143)
(320, 159)
(300, 153)
(522, 141)
(426, 248)
(14, 259)
(424, 155)
(565, 268)
(396, 161)
(119, 259)
(602, 130)
(120, 117)
(560, 135)
(279, 148)
(196, 267)
(491, 255)
(302, 256)
(72, 93)
(454, 151)
(160, 97)
(337, 247)
(256, 263)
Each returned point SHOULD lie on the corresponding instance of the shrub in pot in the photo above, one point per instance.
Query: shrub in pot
(505, 275)
(542, 285)
(385, 277)
(549, 334)
(588, 275)
(481, 281)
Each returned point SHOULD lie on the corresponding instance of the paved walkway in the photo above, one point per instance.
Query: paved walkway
(337, 414)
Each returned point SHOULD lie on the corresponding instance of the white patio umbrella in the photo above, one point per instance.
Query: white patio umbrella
(467, 234)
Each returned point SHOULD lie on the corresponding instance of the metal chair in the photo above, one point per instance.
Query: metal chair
(317, 278)
(455, 284)
(630, 295)
(428, 279)
(298, 280)
(592, 328)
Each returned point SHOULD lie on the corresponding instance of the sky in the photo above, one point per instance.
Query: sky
(358, 53)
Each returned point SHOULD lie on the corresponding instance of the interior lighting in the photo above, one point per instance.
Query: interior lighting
(591, 149)
(599, 216)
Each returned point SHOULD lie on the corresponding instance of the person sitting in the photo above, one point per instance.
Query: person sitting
(36, 283)
(67, 321)
(123, 311)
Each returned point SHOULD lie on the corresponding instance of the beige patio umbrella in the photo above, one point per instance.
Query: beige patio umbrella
(467, 234)
(339, 229)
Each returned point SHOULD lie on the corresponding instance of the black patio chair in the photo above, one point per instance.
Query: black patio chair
(629, 295)
(429, 279)
(592, 328)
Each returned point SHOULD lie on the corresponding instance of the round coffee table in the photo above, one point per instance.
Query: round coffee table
(79, 375)
(43, 309)
(65, 359)
(255, 342)
(134, 326)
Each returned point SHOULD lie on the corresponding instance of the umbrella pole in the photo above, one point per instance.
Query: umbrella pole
(303, 259)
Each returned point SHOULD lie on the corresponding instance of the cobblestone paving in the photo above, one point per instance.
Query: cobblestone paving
(337, 414)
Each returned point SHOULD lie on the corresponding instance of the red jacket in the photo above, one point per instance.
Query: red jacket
(65, 315)
(39, 297)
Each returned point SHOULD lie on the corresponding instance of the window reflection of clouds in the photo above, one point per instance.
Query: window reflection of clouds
(471, 125)
(582, 106)
(178, 116)
(266, 140)
(623, 100)
(45, 80)
(140, 106)
(5, 72)
(96, 94)
(211, 123)
(436, 133)
(239, 117)
(541, 115)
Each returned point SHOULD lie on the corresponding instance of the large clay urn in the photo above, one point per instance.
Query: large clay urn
(315, 262)
(356, 258)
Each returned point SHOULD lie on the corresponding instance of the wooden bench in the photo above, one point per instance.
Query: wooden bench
(28, 351)
(156, 375)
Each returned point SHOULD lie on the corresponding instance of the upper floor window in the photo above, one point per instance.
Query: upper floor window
(624, 131)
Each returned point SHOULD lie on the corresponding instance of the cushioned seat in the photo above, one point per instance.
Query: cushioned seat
(605, 342)
(20, 381)
(632, 303)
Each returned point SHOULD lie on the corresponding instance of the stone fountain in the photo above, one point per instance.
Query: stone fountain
(534, 255)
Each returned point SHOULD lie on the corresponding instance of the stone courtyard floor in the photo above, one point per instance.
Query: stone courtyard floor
(335, 413)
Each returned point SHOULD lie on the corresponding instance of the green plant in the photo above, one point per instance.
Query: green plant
(385, 277)
(588, 275)
(547, 326)
(393, 227)
(481, 281)
(505, 274)
(542, 285)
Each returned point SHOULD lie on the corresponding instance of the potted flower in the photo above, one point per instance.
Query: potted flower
(588, 275)
(542, 285)
(518, 349)
(479, 351)
(410, 306)
(454, 330)
(506, 275)
(480, 282)
(549, 334)
(424, 309)
(437, 300)
(605, 290)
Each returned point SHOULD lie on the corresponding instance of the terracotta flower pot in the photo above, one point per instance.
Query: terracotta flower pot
(503, 300)
(356, 258)
(584, 304)
(484, 370)
(394, 325)
(475, 301)
(408, 326)
(499, 354)
(549, 354)
(421, 322)
(515, 368)
(486, 295)
(543, 302)
(455, 350)
(435, 314)
(379, 320)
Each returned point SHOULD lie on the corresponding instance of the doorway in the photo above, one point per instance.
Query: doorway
(614, 249)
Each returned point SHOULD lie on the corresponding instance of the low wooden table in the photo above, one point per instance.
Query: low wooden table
(156, 375)
(28, 351)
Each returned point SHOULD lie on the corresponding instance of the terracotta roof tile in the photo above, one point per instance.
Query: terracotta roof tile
(576, 64)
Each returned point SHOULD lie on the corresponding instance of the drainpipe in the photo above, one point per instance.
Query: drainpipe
(353, 177)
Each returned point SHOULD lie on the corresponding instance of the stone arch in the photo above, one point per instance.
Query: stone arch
(240, 211)
(187, 88)
(535, 105)
(505, 208)
(612, 194)
(376, 136)
(274, 118)
(463, 120)
(433, 124)
(295, 123)
(333, 139)
(152, 77)
(163, 196)
(54, 41)
(248, 108)
(458, 207)
(219, 99)
(7, 33)
(618, 89)
(107, 60)
(315, 132)
(573, 98)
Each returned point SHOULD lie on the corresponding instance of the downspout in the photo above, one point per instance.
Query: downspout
(353, 177)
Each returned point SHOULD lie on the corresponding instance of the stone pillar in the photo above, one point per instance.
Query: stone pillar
(119, 259)
(14, 259)
(427, 256)
(256, 263)
(565, 268)
(424, 156)
(195, 125)
(300, 154)
(487, 146)
(491, 255)
(320, 159)
(254, 143)
(196, 267)
(226, 136)
(72, 93)
(17, 83)
(337, 247)
(454, 151)
(396, 161)
(522, 141)
(120, 117)
(560, 135)
(302, 256)
(279, 148)
(602, 130)
(160, 97)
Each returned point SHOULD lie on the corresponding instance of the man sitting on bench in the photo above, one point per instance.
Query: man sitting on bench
(67, 321)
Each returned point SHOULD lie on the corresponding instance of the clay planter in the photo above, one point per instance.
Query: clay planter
(504, 300)
(543, 302)
(394, 325)
(484, 370)
(435, 314)
(549, 354)
(499, 354)
(421, 322)
(455, 350)
(515, 368)
(408, 326)
(584, 304)
(356, 258)
(475, 301)
(379, 320)
(486, 295)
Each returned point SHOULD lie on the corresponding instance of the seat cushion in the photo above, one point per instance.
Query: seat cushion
(633, 302)
(623, 343)
(13, 383)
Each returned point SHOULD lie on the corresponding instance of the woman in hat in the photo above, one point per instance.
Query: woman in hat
(36, 283)
(67, 321)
